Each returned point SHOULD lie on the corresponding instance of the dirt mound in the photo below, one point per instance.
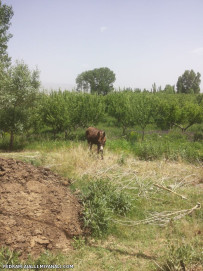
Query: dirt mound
(37, 209)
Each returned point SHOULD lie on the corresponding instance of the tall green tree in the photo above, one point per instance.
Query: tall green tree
(119, 106)
(54, 112)
(17, 97)
(169, 89)
(167, 111)
(6, 14)
(143, 108)
(189, 82)
(191, 113)
(91, 109)
(154, 88)
(98, 81)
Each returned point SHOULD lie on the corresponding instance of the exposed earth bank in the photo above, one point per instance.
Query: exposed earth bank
(37, 209)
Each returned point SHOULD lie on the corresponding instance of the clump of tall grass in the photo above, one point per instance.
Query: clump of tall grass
(181, 256)
(190, 152)
(198, 136)
(174, 147)
(47, 145)
(8, 257)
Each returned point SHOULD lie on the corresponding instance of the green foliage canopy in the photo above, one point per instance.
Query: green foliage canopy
(167, 111)
(119, 107)
(169, 89)
(6, 14)
(67, 111)
(98, 81)
(54, 112)
(189, 82)
(191, 113)
(18, 94)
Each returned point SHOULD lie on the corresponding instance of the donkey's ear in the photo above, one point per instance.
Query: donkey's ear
(104, 134)
(98, 134)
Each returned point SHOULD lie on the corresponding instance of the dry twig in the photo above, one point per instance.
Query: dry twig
(167, 189)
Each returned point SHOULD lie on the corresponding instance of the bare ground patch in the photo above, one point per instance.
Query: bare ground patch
(37, 209)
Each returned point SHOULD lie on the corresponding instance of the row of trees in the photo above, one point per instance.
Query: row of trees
(101, 81)
(132, 109)
(67, 111)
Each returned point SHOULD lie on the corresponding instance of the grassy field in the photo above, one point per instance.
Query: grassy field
(161, 231)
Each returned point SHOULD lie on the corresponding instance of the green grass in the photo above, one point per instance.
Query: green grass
(130, 166)
(174, 146)
(48, 145)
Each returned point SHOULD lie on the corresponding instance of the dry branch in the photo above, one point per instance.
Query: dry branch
(160, 219)
(167, 189)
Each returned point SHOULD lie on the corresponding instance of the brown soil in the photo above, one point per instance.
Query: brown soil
(37, 209)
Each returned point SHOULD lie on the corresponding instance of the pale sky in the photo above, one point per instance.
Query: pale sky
(141, 41)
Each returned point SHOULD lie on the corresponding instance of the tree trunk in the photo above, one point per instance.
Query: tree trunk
(142, 134)
(11, 140)
(66, 135)
(54, 134)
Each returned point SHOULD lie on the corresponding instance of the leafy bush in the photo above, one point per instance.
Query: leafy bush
(101, 201)
(187, 152)
(132, 137)
(150, 150)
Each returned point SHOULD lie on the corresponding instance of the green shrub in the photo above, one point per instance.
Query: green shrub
(132, 137)
(101, 201)
(149, 150)
(189, 152)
